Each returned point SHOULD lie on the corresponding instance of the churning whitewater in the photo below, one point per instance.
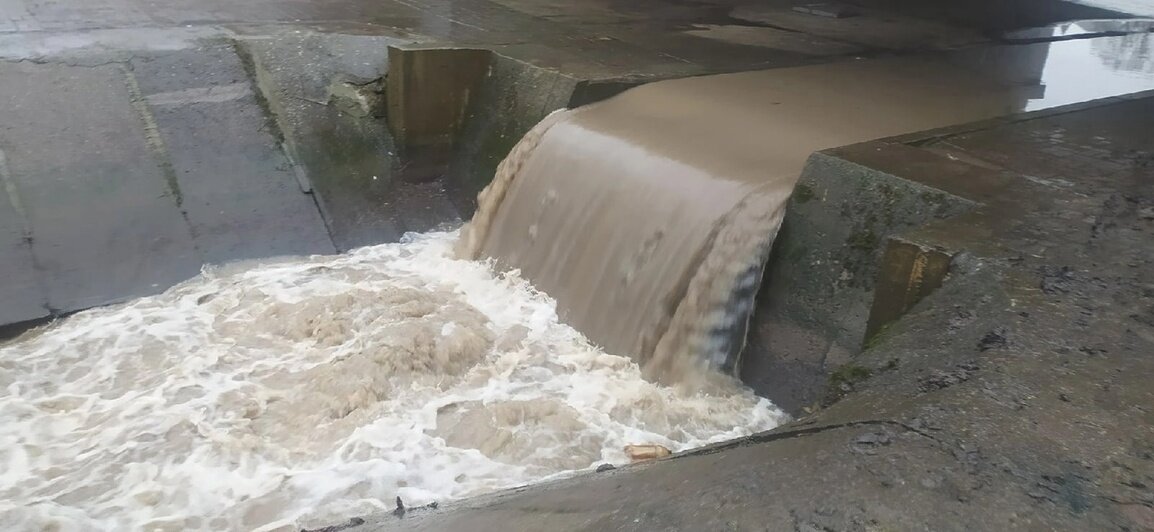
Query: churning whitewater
(302, 392)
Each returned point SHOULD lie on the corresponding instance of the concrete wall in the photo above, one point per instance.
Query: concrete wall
(821, 280)
(512, 98)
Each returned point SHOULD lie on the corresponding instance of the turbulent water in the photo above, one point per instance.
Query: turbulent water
(303, 392)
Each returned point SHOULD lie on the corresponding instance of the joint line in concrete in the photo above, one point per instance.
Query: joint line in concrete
(152, 136)
(26, 233)
(14, 198)
(156, 145)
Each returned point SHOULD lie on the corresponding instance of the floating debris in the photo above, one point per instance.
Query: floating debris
(640, 453)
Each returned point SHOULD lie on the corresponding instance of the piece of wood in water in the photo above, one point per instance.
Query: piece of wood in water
(639, 453)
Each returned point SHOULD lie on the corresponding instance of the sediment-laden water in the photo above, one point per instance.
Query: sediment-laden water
(650, 216)
(303, 392)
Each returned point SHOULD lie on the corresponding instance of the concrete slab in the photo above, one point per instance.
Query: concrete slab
(455, 20)
(1065, 151)
(15, 16)
(237, 187)
(104, 223)
(123, 178)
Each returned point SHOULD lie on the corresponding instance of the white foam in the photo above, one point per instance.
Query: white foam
(304, 392)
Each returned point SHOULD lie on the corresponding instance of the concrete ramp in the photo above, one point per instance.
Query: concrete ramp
(122, 178)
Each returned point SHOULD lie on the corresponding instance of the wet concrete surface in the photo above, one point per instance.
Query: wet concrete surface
(24, 298)
(236, 187)
(219, 122)
(812, 318)
(351, 160)
(171, 135)
(654, 35)
(1016, 396)
(129, 176)
(1011, 398)
(215, 119)
(343, 159)
(101, 214)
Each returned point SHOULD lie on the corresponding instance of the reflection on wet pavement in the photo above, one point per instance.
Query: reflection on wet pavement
(1073, 71)
(1081, 29)
(1134, 7)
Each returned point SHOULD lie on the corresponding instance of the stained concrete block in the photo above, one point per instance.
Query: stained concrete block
(908, 272)
(592, 91)
(841, 269)
(429, 91)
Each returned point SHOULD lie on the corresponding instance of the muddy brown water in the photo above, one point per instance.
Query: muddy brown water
(649, 216)
(295, 393)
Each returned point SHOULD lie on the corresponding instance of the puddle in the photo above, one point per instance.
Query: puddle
(1067, 72)
(1081, 29)
(1144, 8)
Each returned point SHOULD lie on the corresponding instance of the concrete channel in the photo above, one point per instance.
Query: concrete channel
(960, 320)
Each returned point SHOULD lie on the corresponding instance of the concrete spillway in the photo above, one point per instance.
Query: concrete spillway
(301, 392)
(650, 216)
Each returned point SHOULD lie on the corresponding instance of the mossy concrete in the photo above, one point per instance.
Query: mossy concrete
(350, 160)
